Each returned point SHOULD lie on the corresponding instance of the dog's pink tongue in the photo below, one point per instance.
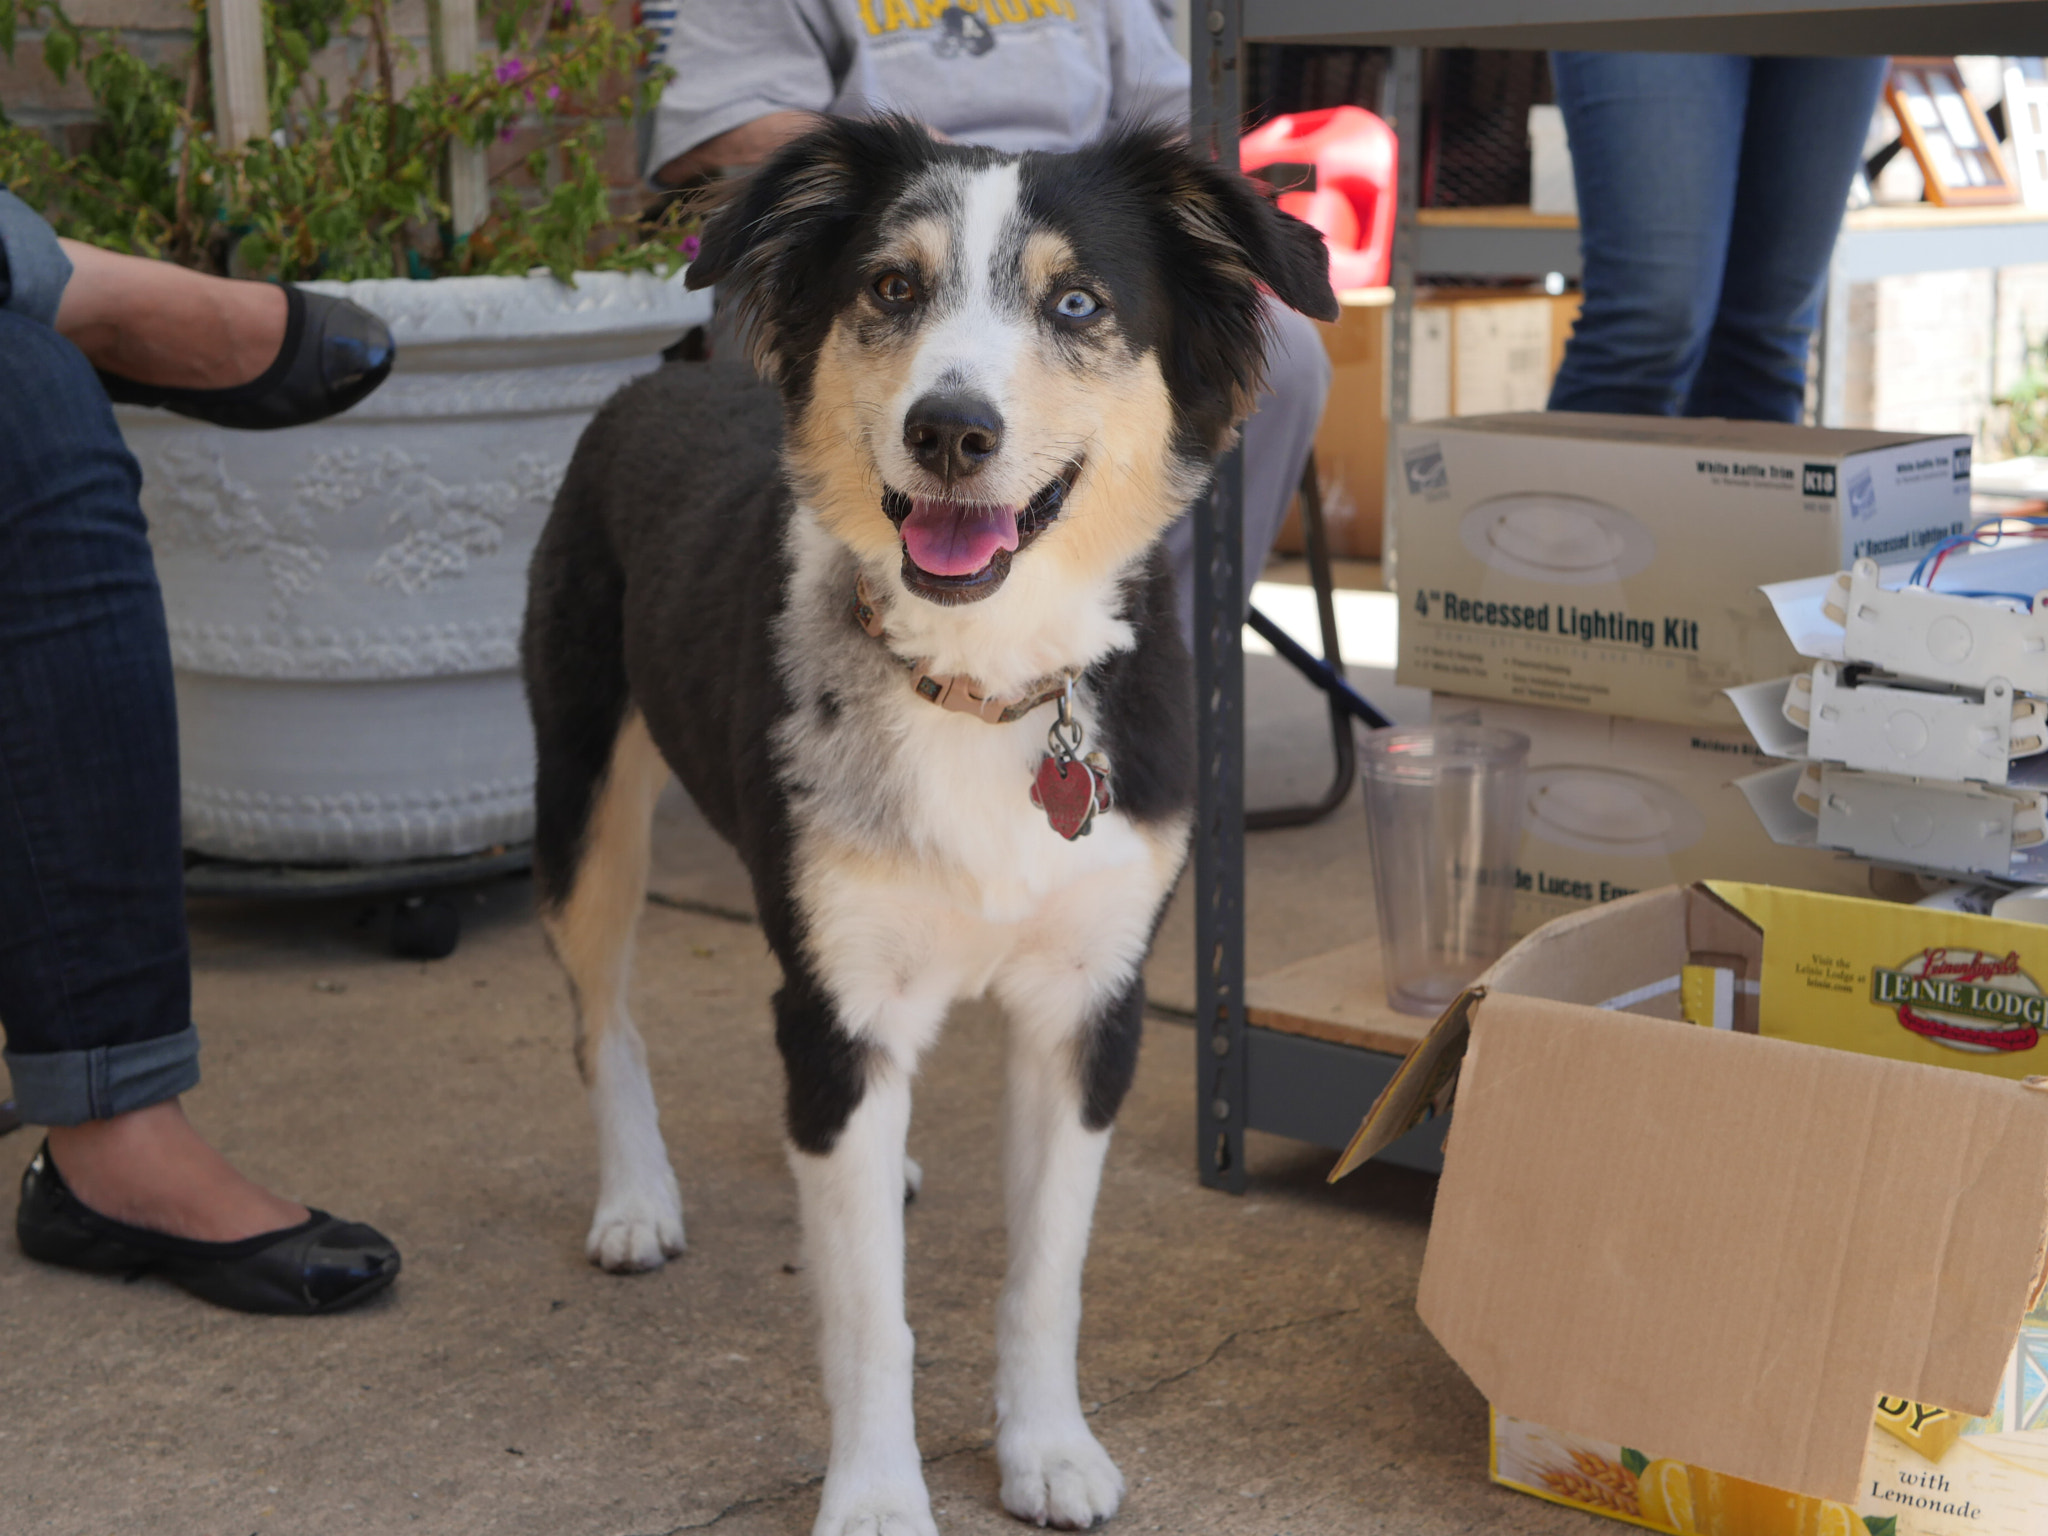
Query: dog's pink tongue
(957, 538)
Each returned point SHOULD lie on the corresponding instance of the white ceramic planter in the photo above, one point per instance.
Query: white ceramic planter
(345, 598)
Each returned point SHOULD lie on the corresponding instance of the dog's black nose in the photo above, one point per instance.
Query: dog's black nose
(951, 435)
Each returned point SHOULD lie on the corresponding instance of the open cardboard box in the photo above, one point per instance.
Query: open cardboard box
(1723, 1246)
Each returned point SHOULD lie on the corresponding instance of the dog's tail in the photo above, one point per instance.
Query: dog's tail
(573, 653)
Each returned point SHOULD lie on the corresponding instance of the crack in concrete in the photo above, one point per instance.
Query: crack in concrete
(1210, 1359)
(987, 1442)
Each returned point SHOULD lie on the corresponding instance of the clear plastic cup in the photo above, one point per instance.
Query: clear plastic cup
(1444, 805)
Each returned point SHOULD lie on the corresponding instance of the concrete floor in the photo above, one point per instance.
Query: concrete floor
(1255, 1364)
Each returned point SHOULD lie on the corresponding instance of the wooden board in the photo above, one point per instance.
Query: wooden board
(1900, 216)
(1503, 216)
(1338, 996)
(1927, 216)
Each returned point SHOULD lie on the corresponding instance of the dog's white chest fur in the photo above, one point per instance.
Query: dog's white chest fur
(925, 873)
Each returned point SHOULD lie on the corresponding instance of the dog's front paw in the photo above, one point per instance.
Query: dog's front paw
(886, 1509)
(637, 1233)
(1061, 1477)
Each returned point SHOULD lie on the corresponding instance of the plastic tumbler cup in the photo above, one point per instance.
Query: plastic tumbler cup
(1444, 806)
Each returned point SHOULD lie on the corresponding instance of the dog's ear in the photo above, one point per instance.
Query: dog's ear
(1225, 243)
(772, 239)
(1237, 222)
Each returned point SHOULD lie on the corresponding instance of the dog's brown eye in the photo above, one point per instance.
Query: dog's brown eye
(895, 288)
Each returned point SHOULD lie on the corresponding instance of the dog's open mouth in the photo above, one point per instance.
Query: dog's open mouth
(959, 551)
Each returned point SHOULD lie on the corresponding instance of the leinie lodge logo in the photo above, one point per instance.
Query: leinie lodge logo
(1964, 998)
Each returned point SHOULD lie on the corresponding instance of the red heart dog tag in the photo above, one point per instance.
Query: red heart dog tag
(1066, 792)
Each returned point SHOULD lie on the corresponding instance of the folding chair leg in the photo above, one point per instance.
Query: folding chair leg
(1341, 741)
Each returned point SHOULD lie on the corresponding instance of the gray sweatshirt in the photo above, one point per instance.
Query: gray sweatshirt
(1013, 74)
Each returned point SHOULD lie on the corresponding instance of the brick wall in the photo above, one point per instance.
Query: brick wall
(157, 30)
(161, 31)
(1930, 352)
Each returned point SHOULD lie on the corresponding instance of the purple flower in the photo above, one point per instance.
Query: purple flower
(509, 70)
(505, 133)
(690, 247)
(554, 93)
(568, 9)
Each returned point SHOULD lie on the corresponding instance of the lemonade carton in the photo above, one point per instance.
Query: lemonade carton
(1730, 1247)
(1926, 1471)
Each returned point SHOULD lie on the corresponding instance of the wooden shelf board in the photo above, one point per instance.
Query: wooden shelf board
(1504, 216)
(1902, 216)
(1338, 996)
(1927, 216)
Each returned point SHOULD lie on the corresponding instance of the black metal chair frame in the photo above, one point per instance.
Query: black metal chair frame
(1326, 671)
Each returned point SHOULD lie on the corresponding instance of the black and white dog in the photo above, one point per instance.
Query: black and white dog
(904, 635)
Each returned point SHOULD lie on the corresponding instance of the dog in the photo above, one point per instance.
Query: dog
(897, 620)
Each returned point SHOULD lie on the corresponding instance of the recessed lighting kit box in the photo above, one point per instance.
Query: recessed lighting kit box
(1614, 806)
(1743, 1223)
(1612, 563)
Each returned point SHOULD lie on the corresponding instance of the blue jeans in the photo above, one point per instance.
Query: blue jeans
(95, 975)
(1711, 188)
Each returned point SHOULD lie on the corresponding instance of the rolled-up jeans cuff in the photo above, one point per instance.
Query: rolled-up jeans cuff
(33, 266)
(71, 1087)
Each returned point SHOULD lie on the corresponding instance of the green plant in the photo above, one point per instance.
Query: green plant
(2026, 407)
(350, 183)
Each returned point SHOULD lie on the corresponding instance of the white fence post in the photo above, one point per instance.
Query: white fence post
(452, 25)
(241, 104)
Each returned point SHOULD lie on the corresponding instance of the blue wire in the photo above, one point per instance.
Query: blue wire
(1984, 538)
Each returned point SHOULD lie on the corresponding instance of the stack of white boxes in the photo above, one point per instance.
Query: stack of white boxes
(1594, 582)
(1917, 734)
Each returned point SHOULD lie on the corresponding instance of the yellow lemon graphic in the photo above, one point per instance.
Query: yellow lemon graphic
(1664, 1491)
(1732, 1506)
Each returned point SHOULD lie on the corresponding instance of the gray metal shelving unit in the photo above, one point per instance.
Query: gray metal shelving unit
(1248, 1080)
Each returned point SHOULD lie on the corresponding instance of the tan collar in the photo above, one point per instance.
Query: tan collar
(956, 690)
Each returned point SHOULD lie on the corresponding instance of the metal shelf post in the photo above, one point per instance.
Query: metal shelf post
(1219, 701)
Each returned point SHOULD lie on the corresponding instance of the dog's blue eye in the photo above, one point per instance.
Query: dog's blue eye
(1077, 304)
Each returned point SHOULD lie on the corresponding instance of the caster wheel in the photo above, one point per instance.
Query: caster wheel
(424, 928)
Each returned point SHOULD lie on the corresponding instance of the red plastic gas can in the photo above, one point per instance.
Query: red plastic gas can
(1355, 156)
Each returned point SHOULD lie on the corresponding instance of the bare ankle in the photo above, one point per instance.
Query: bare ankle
(151, 1168)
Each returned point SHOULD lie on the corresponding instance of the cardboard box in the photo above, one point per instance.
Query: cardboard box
(1611, 563)
(1480, 352)
(1351, 440)
(1729, 1247)
(1615, 806)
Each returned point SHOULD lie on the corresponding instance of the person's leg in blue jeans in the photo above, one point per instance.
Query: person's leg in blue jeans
(1802, 140)
(95, 991)
(1656, 141)
(95, 980)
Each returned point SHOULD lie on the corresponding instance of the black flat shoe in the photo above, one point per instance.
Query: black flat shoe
(334, 353)
(321, 1265)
